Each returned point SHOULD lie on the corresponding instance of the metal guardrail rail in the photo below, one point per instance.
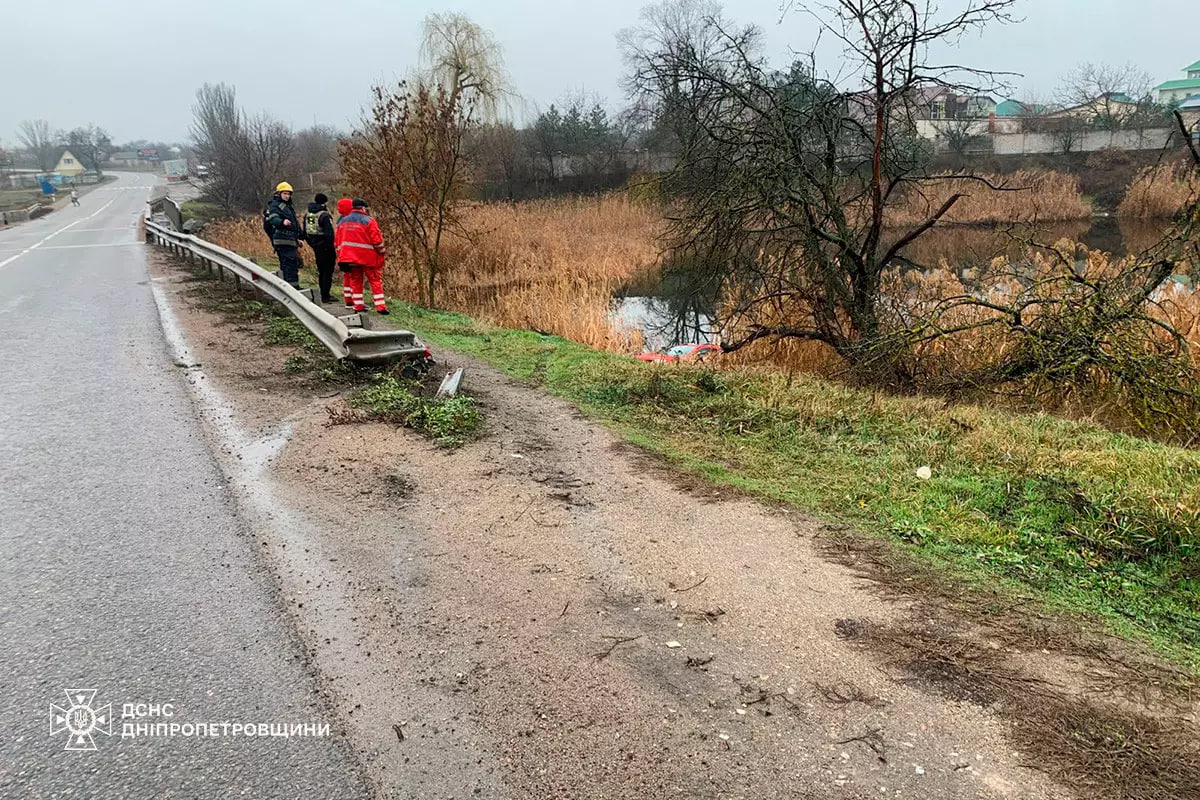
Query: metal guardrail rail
(342, 335)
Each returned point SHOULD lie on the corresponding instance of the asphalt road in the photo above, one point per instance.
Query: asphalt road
(124, 568)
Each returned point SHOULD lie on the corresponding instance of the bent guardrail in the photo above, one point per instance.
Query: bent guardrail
(343, 340)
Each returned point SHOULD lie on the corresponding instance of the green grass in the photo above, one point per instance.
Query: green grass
(289, 330)
(388, 398)
(450, 423)
(1084, 519)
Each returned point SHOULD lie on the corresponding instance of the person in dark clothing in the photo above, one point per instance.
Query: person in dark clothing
(286, 234)
(318, 232)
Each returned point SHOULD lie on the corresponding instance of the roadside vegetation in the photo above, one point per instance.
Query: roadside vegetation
(449, 423)
(376, 394)
(373, 393)
(13, 199)
(550, 265)
(203, 211)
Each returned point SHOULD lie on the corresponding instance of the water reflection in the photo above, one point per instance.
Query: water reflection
(662, 323)
(667, 310)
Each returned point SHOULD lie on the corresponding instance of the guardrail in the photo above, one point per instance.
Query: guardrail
(18, 214)
(160, 203)
(344, 336)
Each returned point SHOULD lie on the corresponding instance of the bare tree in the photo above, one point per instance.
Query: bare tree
(410, 156)
(91, 144)
(1066, 130)
(220, 142)
(958, 134)
(40, 141)
(501, 152)
(467, 63)
(246, 156)
(1106, 96)
(781, 201)
(669, 101)
(784, 181)
(316, 148)
(268, 157)
(408, 159)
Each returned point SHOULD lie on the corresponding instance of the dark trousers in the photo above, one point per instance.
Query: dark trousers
(289, 263)
(326, 258)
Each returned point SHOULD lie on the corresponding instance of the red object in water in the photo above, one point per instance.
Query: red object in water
(681, 352)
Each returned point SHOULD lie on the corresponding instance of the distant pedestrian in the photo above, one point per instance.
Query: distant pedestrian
(361, 253)
(318, 232)
(74, 197)
(280, 223)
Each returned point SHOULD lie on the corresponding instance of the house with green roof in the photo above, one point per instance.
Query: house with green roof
(1178, 90)
(1016, 108)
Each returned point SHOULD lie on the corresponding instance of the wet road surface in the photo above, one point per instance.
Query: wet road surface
(125, 570)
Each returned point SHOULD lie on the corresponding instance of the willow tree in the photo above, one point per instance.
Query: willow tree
(409, 156)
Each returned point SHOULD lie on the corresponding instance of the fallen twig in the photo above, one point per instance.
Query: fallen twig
(616, 642)
(693, 586)
(873, 739)
(845, 693)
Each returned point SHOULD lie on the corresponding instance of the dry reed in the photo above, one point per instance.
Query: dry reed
(243, 236)
(554, 265)
(548, 265)
(1028, 196)
(1160, 192)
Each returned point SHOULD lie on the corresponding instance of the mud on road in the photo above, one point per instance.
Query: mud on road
(546, 612)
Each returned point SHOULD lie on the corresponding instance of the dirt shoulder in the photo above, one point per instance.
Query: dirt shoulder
(546, 612)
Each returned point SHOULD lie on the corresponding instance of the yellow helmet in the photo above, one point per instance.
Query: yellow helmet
(284, 187)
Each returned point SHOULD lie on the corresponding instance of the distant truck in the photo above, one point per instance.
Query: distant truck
(176, 169)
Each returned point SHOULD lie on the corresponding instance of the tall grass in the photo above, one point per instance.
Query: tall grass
(1030, 195)
(243, 235)
(549, 265)
(1160, 192)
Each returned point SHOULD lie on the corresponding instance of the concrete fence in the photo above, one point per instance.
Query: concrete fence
(1004, 144)
(1081, 142)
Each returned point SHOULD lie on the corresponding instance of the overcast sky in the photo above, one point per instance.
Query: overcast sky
(133, 67)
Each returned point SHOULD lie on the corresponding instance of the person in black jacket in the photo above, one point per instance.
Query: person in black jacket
(318, 232)
(285, 232)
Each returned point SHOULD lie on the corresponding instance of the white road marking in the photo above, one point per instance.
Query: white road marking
(98, 230)
(41, 242)
(78, 246)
